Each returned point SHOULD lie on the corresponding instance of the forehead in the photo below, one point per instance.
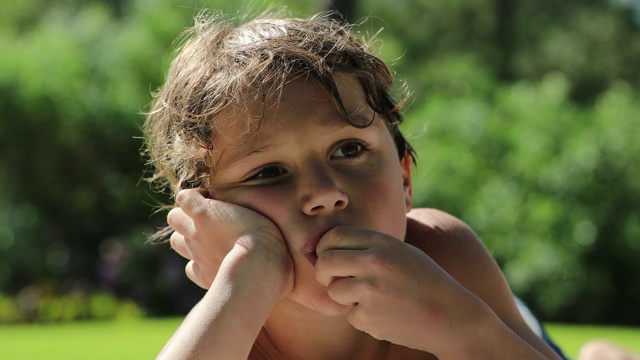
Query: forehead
(299, 99)
(245, 127)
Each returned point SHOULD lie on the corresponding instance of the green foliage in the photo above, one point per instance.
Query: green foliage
(549, 186)
(524, 116)
(77, 305)
(62, 308)
(72, 87)
(591, 42)
(9, 310)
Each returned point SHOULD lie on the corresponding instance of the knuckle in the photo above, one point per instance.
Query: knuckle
(374, 260)
(199, 212)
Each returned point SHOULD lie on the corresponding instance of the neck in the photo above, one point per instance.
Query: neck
(295, 332)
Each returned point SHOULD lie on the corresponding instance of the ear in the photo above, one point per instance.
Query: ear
(405, 163)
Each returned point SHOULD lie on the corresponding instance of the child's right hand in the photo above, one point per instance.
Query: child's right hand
(206, 230)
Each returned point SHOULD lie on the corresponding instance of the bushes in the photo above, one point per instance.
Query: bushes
(550, 186)
(528, 137)
(32, 306)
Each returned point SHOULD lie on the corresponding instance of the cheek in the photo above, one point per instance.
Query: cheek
(270, 202)
(385, 199)
(382, 196)
(382, 180)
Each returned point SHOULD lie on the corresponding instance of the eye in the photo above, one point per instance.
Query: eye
(268, 173)
(351, 149)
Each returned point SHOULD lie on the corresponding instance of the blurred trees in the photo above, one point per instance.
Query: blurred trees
(524, 114)
(549, 186)
(75, 78)
(525, 117)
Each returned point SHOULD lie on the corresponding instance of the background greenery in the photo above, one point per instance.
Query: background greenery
(524, 114)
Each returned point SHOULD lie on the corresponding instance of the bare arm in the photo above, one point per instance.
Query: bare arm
(241, 258)
(226, 322)
(456, 248)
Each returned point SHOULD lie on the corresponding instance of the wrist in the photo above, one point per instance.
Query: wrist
(265, 263)
(229, 317)
(486, 336)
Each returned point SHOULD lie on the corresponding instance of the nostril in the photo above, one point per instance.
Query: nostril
(327, 200)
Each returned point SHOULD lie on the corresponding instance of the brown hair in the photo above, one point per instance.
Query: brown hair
(219, 65)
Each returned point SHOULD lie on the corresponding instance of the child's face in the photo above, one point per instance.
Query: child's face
(308, 170)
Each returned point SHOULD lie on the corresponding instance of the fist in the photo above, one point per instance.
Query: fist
(205, 231)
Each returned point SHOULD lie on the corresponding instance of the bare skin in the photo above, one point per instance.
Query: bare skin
(310, 249)
(605, 350)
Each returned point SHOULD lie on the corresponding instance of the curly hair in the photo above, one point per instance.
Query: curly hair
(221, 65)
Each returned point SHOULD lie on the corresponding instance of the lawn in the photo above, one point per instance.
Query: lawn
(133, 339)
(143, 339)
(571, 337)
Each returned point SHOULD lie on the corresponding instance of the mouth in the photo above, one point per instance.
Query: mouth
(312, 257)
(309, 247)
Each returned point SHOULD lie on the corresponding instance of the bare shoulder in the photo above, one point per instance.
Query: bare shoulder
(436, 218)
(431, 229)
(457, 250)
(455, 247)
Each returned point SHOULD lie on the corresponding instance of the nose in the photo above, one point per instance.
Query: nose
(319, 193)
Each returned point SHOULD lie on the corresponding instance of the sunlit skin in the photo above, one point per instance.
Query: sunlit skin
(311, 249)
(308, 171)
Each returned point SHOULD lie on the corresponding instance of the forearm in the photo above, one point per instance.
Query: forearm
(487, 337)
(480, 317)
(226, 322)
(500, 342)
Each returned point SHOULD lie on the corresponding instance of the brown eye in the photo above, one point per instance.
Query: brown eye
(269, 172)
(350, 150)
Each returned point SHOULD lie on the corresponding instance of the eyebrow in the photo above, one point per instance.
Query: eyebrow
(239, 153)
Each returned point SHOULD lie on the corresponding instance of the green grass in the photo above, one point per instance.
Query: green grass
(136, 339)
(572, 337)
(143, 339)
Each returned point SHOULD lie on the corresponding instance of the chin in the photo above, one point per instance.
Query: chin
(335, 311)
(327, 307)
(311, 294)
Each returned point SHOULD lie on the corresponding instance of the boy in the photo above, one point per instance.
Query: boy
(293, 186)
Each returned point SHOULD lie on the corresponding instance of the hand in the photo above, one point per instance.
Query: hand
(206, 230)
(396, 292)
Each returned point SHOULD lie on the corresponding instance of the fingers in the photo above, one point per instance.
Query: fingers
(202, 209)
(337, 263)
(180, 221)
(346, 290)
(345, 237)
(195, 274)
(179, 245)
(348, 252)
(338, 251)
(207, 229)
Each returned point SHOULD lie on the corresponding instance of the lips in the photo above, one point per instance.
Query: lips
(309, 247)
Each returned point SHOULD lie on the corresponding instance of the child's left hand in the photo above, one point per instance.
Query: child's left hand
(396, 292)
